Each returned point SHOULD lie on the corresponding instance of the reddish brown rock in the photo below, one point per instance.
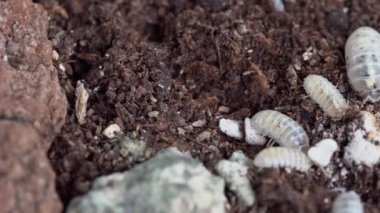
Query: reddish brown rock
(32, 109)
(26, 178)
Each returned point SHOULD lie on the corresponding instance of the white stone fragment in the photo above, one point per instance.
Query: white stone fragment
(278, 5)
(153, 114)
(235, 173)
(62, 68)
(112, 131)
(231, 128)
(224, 109)
(348, 202)
(181, 131)
(81, 102)
(307, 56)
(55, 55)
(5, 58)
(362, 151)
(205, 135)
(322, 152)
(251, 135)
(170, 182)
(198, 123)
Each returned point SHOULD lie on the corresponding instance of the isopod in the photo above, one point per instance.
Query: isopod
(284, 130)
(362, 52)
(326, 95)
(280, 157)
(348, 202)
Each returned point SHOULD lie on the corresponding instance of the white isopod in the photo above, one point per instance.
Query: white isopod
(362, 52)
(326, 95)
(281, 128)
(282, 157)
(348, 202)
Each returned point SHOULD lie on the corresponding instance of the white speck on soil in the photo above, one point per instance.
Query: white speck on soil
(231, 128)
(112, 131)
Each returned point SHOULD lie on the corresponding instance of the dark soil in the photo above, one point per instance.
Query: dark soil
(188, 58)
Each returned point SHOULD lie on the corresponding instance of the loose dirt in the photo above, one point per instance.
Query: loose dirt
(204, 60)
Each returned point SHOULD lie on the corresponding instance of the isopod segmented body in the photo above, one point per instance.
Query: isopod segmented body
(348, 202)
(284, 130)
(282, 157)
(362, 52)
(326, 95)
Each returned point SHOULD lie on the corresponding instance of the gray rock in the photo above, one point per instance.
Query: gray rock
(235, 172)
(132, 148)
(169, 182)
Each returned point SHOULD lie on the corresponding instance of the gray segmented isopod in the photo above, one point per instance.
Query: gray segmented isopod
(280, 157)
(348, 202)
(362, 52)
(326, 95)
(284, 130)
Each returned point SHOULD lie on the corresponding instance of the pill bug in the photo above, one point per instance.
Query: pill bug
(348, 202)
(282, 157)
(326, 95)
(362, 51)
(284, 130)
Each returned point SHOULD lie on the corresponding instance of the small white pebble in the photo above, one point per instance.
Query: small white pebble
(5, 58)
(55, 55)
(181, 131)
(231, 128)
(223, 109)
(189, 128)
(251, 136)
(278, 5)
(153, 99)
(307, 56)
(348, 202)
(61, 67)
(111, 131)
(297, 66)
(198, 123)
(82, 43)
(203, 136)
(343, 172)
(322, 152)
(153, 114)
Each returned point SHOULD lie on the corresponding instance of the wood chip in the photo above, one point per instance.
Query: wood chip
(81, 102)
